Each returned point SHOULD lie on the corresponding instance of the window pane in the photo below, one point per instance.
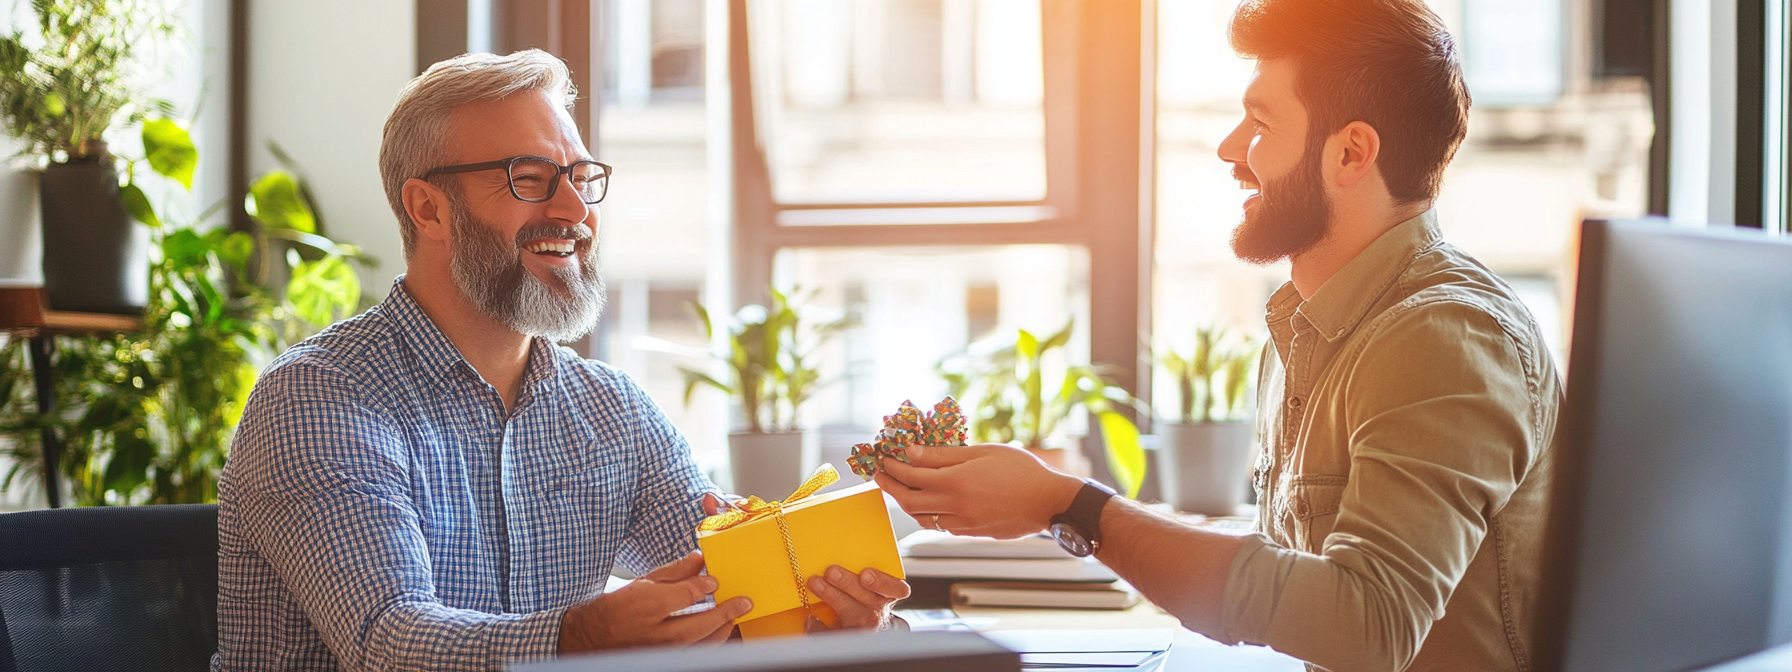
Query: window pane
(915, 306)
(900, 100)
(655, 234)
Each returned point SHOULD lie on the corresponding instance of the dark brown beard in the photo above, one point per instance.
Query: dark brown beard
(1291, 221)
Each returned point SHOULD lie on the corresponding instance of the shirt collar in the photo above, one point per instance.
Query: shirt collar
(1344, 300)
(441, 360)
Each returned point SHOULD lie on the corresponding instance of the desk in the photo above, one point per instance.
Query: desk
(1191, 651)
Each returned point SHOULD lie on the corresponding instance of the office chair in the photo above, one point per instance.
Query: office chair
(109, 588)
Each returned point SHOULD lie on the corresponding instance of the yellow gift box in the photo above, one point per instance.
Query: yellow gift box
(768, 550)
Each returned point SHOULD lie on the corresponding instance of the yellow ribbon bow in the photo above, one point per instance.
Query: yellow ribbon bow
(755, 508)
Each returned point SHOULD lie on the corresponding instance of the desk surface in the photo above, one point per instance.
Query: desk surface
(1191, 651)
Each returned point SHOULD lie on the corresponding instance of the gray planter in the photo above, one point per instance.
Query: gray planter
(96, 258)
(767, 465)
(1204, 468)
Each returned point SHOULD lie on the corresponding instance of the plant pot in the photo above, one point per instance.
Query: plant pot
(769, 465)
(1204, 468)
(96, 259)
(1067, 460)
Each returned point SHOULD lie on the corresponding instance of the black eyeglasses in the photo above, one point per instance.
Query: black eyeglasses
(536, 178)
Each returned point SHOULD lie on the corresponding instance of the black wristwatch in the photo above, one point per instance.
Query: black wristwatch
(1078, 529)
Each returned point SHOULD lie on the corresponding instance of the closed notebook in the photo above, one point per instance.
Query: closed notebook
(1060, 569)
(1057, 595)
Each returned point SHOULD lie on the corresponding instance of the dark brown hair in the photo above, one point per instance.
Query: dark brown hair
(1387, 63)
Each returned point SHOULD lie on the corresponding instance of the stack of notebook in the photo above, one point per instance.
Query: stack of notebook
(1028, 572)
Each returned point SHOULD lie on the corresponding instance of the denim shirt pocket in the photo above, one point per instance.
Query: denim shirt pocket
(1313, 501)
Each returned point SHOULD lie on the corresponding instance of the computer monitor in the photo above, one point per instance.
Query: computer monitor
(1669, 546)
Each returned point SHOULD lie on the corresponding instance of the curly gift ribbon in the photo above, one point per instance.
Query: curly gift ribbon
(945, 426)
(755, 508)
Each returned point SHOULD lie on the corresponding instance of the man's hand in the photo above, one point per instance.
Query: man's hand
(862, 601)
(988, 490)
(641, 613)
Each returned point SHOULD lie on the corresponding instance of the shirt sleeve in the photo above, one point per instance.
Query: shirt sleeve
(1446, 426)
(324, 497)
(668, 502)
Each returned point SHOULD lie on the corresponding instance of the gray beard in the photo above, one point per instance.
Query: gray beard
(489, 271)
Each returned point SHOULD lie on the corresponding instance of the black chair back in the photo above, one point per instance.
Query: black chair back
(109, 588)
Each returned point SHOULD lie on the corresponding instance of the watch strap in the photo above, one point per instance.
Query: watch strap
(1085, 509)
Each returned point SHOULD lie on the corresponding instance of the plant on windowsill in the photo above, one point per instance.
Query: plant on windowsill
(770, 370)
(146, 417)
(1003, 384)
(63, 85)
(1203, 459)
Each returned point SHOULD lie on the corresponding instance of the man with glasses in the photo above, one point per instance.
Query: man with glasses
(433, 484)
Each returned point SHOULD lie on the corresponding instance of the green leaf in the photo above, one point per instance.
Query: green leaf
(693, 379)
(275, 201)
(1058, 340)
(1028, 345)
(1126, 457)
(321, 289)
(184, 248)
(170, 150)
(236, 248)
(136, 203)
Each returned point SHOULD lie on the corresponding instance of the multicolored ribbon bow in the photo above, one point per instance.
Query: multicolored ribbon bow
(755, 508)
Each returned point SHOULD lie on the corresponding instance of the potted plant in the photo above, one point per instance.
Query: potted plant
(1203, 458)
(1003, 384)
(61, 89)
(147, 417)
(770, 370)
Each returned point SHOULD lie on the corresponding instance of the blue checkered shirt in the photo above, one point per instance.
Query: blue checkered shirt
(380, 512)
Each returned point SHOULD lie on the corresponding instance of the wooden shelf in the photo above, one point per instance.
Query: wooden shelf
(26, 311)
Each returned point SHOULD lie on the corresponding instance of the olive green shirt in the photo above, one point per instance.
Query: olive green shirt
(1407, 412)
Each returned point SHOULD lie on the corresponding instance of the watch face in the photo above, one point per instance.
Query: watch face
(1072, 540)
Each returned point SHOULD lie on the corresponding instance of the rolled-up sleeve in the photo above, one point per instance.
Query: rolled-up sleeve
(1445, 428)
(323, 495)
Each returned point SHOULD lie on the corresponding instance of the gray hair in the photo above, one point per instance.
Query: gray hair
(415, 138)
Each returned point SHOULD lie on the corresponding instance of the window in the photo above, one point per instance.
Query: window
(901, 100)
(945, 169)
(653, 126)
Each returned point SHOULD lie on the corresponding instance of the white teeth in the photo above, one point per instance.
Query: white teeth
(1243, 184)
(547, 246)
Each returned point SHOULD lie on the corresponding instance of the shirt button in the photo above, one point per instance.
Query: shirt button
(1294, 403)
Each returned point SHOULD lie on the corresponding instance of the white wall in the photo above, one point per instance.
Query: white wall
(323, 75)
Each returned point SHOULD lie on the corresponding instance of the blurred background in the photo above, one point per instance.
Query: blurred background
(919, 175)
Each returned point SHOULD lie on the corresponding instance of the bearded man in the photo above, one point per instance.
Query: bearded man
(434, 484)
(1407, 399)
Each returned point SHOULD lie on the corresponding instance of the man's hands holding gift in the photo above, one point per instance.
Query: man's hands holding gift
(640, 613)
(861, 601)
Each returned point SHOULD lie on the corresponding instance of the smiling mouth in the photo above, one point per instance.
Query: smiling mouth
(552, 248)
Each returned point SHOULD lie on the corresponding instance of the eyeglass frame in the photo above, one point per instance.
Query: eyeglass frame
(510, 179)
